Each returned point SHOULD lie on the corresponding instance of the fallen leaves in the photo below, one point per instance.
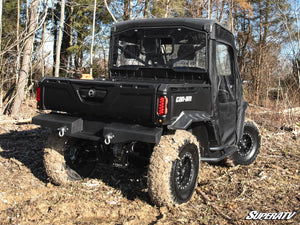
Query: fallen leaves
(225, 193)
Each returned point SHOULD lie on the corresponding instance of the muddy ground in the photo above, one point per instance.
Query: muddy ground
(224, 195)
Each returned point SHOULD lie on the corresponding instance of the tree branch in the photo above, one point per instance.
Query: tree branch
(112, 15)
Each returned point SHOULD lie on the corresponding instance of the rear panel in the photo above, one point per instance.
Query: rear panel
(134, 102)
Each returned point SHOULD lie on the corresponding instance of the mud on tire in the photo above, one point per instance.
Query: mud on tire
(249, 145)
(173, 169)
(59, 161)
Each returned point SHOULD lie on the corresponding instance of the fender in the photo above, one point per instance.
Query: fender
(186, 118)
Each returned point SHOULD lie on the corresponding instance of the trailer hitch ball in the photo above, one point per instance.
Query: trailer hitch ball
(108, 138)
(62, 131)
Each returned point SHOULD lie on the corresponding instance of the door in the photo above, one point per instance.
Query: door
(226, 100)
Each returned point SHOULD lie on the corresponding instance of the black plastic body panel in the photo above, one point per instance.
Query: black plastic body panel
(121, 101)
(187, 118)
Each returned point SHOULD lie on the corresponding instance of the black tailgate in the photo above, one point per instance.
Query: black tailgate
(107, 99)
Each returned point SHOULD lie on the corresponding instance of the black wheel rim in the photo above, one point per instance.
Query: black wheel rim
(81, 158)
(247, 146)
(185, 173)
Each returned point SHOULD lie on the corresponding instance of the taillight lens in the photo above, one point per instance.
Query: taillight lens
(162, 106)
(38, 94)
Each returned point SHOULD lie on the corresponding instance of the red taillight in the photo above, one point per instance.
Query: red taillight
(38, 94)
(162, 106)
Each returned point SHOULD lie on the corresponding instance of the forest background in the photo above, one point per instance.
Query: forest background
(57, 37)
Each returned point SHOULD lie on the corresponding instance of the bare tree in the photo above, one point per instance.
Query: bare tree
(1, 9)
(59, 39)
(18, 45)
(146, 9)
(43, 49)
(93, 37)
(209, 9)
(230, 24)
(167, 9)
(27, 52)
(130, 10)
(1, 91)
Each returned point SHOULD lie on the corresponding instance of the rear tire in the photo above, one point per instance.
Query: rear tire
(66, 160)
(249, 145)
(173, 169)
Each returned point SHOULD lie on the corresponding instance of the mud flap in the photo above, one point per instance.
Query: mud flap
(227, 122)
(241, 119)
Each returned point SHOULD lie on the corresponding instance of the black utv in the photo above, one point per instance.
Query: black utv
(173, 96)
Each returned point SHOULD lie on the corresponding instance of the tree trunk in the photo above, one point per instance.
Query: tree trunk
(209, 9)
(1, 9)
(70, 56)
(1, 91)
(127, 10)
(167, 9)
(230, 19)
(18, 45)
(93, 36)
(59, 40)
(200, 7)
(27, 52)
(43, 49)
(27, 14)
(54, 22)
(78, 54)
(105, 63)
(146, 9)
(130, 10)
(64, 59)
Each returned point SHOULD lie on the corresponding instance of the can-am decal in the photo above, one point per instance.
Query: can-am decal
(181, 99)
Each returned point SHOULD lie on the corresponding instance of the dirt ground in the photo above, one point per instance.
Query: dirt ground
(224, 195)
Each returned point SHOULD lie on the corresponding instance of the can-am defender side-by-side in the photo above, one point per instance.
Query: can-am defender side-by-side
(173, 98)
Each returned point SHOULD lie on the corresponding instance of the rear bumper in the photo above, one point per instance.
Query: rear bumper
(98, 130)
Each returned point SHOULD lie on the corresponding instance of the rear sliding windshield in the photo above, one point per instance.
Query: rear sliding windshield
(180, 49)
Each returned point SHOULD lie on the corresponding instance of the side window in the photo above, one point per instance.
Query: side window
(223, 60)
(224, 65)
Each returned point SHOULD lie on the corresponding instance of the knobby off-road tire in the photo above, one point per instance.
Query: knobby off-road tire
(173, 169)
(249, 145)
(60, 161)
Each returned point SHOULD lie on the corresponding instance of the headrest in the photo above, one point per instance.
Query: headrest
(131, 51)
(186, 52)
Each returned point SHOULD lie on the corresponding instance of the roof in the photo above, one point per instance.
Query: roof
(196, 23)
(217, 31)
